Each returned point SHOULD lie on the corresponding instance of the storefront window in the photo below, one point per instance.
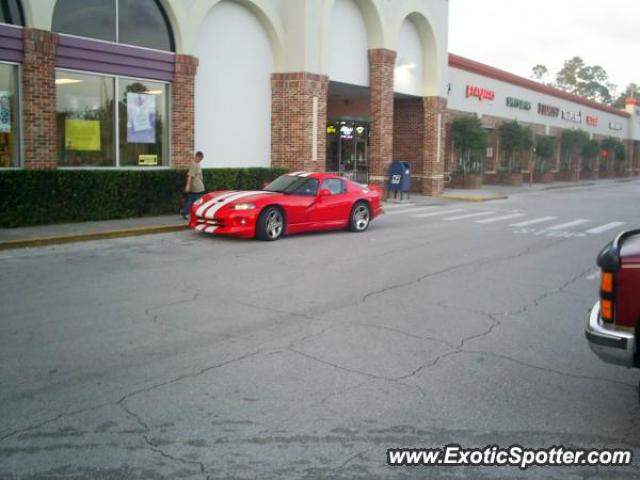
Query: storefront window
(140, 22)
(84, 118)
(11, 12)
(9, 119)
(143, 125)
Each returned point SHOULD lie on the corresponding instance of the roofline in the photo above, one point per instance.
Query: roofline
(472, 66)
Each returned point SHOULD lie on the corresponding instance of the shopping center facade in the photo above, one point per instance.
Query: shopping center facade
(337, 85)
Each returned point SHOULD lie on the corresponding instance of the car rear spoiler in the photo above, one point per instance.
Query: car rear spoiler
(609, 257)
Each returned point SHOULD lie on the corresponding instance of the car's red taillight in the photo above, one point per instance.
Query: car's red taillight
(607, 296)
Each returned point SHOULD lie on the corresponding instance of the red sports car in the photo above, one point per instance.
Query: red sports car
(292, 203)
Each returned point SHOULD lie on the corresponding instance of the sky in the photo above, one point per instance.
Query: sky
(515, 35)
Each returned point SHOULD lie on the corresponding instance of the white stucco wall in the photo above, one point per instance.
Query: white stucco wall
(457, 100)
(408, 74)
(233, 90)
(347, 44)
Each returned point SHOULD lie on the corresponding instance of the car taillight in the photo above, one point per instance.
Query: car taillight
(607, 292)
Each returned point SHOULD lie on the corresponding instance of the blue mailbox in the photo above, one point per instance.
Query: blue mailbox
(399, 177)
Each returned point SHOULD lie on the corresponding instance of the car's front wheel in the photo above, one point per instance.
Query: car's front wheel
(360, 217)
(270, 224)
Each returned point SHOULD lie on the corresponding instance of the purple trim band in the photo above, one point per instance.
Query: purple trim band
(10, 43)
(103, 57)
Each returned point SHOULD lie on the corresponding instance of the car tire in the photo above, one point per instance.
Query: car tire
(360, 217)
(270, 224)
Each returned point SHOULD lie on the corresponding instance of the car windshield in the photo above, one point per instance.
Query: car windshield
(287, 184)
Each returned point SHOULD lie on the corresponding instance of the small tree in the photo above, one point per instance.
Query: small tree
(589, 153)
(572, 143)
(545, 150)
(514, 139)
(470, 141)
(615, 152)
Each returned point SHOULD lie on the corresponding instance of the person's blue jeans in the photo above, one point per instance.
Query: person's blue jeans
(191, 198)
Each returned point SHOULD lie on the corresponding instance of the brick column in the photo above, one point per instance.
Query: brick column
(381, 65)
(299, 121)
(434, 144)
(39, 98)
(182, 111)
(408, 133)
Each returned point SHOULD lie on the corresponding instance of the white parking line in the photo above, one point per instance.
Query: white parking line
(469, 215)
(500, 219)
(410, 210)
(397, 205)
(532, 222)
(568, 224)
(604, 228)
(442, 212)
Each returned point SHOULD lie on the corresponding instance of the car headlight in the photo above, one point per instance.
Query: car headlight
(243, 206)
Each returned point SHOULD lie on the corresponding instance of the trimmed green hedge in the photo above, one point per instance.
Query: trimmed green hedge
(34, 197)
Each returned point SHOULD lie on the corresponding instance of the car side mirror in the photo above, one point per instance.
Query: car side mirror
(325, 192)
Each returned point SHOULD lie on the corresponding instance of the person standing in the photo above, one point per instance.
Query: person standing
(195, 184)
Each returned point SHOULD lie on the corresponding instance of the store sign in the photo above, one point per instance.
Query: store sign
(331, 129)
(147, 159)
(575, 117)
(517, 103)
(615, 126)
(346, 132)
(480, 93)
(591, 120)
(548, 110)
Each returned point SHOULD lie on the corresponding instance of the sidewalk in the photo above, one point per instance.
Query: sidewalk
(42, 235)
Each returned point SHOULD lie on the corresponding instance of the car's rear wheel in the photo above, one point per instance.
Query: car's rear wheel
(360, 217)
(270, 224)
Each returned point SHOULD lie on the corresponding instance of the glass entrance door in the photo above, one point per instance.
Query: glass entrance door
(347, 145)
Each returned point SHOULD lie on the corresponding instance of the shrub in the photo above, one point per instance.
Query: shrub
(32, 197)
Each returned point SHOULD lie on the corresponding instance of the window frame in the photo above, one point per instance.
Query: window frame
(20, 14)
(343, 185)
(20, 121)
(165, 17)
(166, 149)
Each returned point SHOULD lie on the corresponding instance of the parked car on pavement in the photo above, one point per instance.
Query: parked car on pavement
(292, 203)
(614, 322)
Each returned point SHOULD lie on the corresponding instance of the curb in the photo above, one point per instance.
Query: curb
(577, 185)
(87, 237)
(473, 198)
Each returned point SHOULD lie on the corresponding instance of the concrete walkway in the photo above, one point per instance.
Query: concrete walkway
(42, 235)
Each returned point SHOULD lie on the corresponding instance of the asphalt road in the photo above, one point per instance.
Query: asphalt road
(186, 356)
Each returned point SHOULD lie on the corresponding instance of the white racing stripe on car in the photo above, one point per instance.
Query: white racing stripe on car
(210, 229)
(201, 227)
(305, 174)
(212, 211)
(201, 209)
(294, 174)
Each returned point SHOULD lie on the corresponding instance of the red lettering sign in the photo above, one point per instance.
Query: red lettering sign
(591, 120)
(480, 93)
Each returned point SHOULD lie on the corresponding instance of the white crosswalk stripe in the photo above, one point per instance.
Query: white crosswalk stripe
(442, 212)
(569, 224)
(410, 210)
(604, 228)
(501, 218)
(469, 215)
(398, 205)
(535, 221)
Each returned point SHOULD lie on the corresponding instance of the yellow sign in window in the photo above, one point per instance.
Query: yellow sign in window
(82, 135)
(147, 159)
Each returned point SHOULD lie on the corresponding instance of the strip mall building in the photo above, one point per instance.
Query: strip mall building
(336, 85)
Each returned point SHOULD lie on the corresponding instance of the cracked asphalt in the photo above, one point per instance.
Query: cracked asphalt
(182, 356)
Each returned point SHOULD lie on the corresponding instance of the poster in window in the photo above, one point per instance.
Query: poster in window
(141, 118)
(5, 112)
(82, 135)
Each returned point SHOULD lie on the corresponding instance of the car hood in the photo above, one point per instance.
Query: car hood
(212, 202)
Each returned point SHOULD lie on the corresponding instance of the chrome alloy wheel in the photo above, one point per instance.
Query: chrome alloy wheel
(361, 217)
(274, 224)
